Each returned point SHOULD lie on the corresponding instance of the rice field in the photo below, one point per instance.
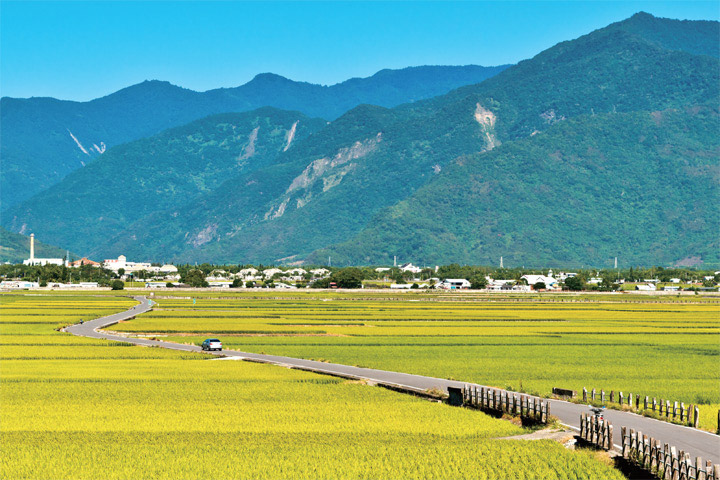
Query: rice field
(76, 408)
(667, 347)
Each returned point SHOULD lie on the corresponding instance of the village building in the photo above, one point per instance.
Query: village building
(409, 267)
(270, 272)
(453, 284)
(84, 261)
(548, 280)
(121, 262)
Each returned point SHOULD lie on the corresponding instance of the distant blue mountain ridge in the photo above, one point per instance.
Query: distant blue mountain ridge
(44, 139)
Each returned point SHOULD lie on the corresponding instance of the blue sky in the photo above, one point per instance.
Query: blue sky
(84, 50)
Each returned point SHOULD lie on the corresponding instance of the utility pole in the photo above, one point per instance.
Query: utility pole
(501, 262)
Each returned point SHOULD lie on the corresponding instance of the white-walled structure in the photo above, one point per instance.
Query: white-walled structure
(40, 261)
(121, 262)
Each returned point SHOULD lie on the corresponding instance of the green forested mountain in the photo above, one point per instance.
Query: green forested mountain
(44, 139)
(163, 172)
(15, 248)
(520, 165)
(641, 186)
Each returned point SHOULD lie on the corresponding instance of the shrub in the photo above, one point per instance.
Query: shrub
(117, 285)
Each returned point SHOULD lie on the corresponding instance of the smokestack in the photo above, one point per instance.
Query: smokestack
(32, 247)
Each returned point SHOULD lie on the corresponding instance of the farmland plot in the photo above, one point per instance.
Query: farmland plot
(660, 347)
(87, 409)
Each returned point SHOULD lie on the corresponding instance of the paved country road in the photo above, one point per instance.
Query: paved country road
(693, 441)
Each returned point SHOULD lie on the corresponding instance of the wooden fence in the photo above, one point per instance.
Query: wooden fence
(501, 401)
(661, 460)
(596, 431)
(671, 411)
(666, 461)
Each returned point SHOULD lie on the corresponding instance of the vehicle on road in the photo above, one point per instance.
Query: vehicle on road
(211, 344)
(598, 412)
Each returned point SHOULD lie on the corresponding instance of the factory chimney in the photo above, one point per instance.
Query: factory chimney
(32, 248)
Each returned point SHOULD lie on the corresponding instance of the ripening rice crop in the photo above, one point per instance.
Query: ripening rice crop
(665, 347)
(88, 409)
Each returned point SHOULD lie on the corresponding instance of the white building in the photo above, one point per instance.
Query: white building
(531, 280)
(40, 261)
(320, 272)
(409, 267)
(453, 284)
(19, 284)
(401, 286)
(649, 287)
(270, 272)
(129, 267)
(383, 269)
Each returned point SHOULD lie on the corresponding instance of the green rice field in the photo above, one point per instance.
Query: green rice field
(76, 408)
(665, 347)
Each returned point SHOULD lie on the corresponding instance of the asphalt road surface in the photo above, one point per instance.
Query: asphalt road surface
(693, 441)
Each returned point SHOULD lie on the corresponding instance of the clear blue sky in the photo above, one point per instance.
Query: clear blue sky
(83, 50)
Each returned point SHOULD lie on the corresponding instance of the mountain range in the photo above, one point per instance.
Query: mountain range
(598, 147)
(44, 139)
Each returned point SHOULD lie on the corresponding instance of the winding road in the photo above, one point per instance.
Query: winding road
(695, 442)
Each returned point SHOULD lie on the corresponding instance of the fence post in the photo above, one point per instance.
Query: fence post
(584, 395)
(602, 396)
(667, 408)
(682, 411)
(696, 419)
(592, 394)
(646, 402)
(620, 397)
(612, 396)
(547, 411)
(637, 402)
(623, 432)
(654, 404)
(699, 470)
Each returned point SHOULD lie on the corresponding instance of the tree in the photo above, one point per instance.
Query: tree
(539, 286)
(321, 283)
(121, 272)
(195, 278)
(574, 283)
(478, 282)
(348, 278)
(117, 285)
(250, 284)
(237, 283)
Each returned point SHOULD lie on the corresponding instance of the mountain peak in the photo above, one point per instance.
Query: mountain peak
(269, 77)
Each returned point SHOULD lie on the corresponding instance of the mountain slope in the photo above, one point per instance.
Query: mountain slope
(338, 183)
(15, 248)
(137, 178)
(642, 186)
(606, 71)
(44, 139)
